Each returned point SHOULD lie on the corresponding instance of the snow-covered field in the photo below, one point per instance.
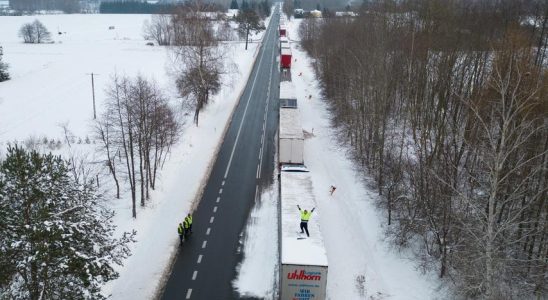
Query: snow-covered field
(362, 264)
(51, 87)
(51, 84)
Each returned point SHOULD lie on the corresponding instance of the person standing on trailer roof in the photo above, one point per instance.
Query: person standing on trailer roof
(305, 217)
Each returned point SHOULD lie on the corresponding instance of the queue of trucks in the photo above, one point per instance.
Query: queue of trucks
(285, 50)
(303, 259)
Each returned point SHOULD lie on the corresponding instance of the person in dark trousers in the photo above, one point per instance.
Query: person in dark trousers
(188, 219)
(305, 216)
(186, 228)
(181, 232)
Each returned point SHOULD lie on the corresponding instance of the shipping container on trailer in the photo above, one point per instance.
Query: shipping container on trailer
(290, 137)
(303, 260)
(285, 58)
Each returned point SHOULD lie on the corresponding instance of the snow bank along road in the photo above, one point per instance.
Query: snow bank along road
(205, 265)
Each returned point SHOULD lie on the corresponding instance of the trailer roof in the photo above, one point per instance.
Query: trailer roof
(284, 39)
(287, 90)
(296, 189)
(290, 124)
(286, 51)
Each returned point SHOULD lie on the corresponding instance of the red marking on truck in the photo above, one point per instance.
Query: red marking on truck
(303, 276)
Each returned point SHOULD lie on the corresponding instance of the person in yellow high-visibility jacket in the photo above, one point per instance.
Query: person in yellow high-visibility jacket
(305, 217)
(181, 232)
(188, 220)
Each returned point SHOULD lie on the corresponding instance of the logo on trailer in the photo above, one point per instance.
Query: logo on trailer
(302, 275)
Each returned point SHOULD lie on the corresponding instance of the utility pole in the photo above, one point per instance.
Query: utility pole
(93, 94)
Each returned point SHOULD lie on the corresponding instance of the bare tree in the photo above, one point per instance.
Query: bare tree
(27, 33)
(508, 117)
(159, 29)
(104, 131)
(34, 33)
(139, 127)
(41, 32)
(225, 32)
(199, 57)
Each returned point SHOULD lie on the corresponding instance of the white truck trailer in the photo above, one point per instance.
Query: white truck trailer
(288, 96)
(291, 137)
(303, 260)
(284, 43)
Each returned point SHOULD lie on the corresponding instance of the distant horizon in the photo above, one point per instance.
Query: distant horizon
(305, 4)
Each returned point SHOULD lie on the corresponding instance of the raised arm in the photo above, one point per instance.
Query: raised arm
(298, 207)
(312, 209)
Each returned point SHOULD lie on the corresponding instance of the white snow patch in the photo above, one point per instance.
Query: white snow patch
(258, 270)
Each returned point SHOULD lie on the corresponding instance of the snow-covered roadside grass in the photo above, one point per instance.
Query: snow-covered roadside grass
(258, 271)
(51, 86)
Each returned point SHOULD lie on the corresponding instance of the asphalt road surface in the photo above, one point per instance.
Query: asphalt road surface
(206, 264)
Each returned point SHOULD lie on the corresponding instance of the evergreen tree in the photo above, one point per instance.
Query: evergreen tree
(245, 5)
(56, 240)
(234, 4)
(4, 75)
(248, 21)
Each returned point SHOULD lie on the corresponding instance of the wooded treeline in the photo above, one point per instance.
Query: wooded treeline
(135, 7)
(67, 6)
(445, 104)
